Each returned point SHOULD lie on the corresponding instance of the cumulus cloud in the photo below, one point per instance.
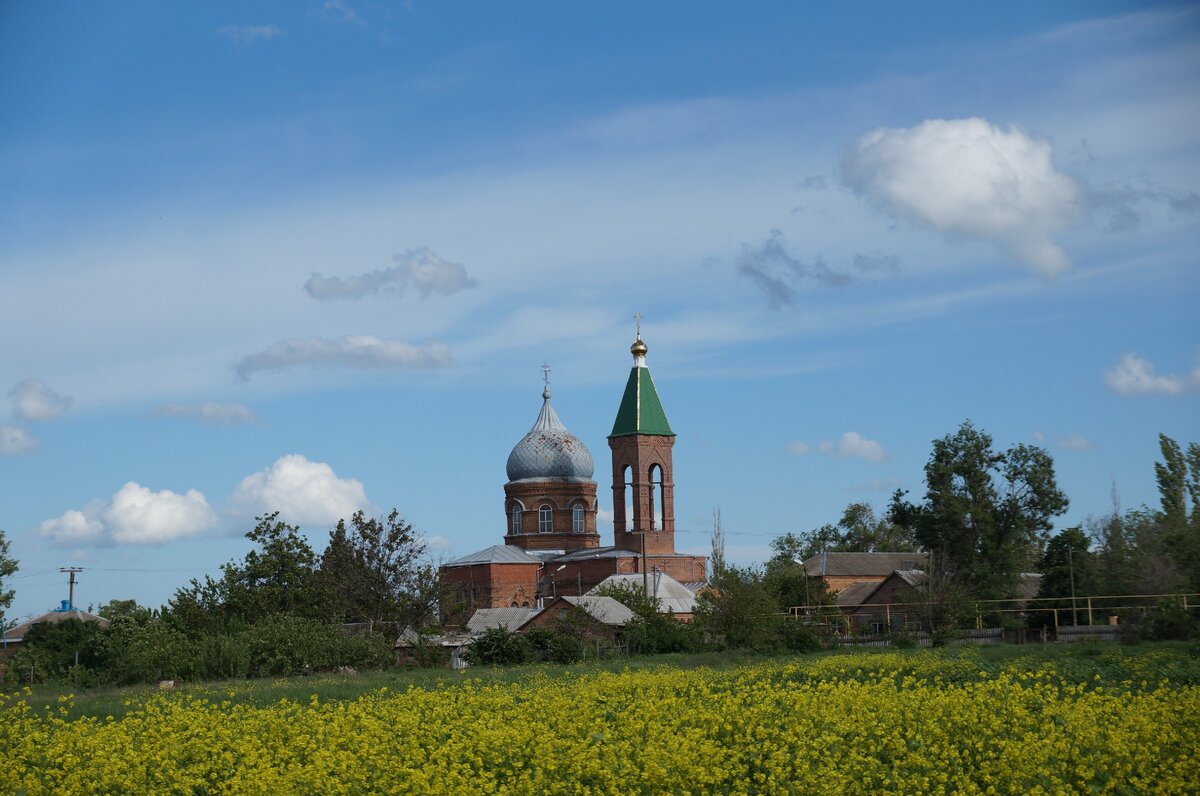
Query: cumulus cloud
(340, 11)
(33, 400)
(969, 178)
(303, 492)
(852, 445)
(15, 440)
(134, 515)
(421, 269)
(356, 351)
(778, 274)
(209, 412)
(1075, 442)
(1133, 375)
(248, 34)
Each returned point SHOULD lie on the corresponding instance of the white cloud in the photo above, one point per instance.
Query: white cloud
(339, 11)
(358, 351)
(134, 515)
(1075, 442)
(248, 34)
(303, 492)
(209, 412)
(1133, 375)
(34, 400)
(1039, 437)
(421, 268)
(876, 485)
(852, 445)
(15, 440)
(969, 178)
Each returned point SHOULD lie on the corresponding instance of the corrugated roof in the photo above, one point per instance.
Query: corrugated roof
(869, 565)
(641, 411)
(496, 554)
(603, 609)
(672, 595)
(507, 618)
(596, 552)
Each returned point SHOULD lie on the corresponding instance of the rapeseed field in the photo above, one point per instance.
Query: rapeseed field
(888, 723)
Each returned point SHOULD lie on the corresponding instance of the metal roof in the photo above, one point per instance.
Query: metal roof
(549, 451)
(865, 565)
(602, 609)
(496, 554)
(641, 411)
(671, 594)
(507, 618)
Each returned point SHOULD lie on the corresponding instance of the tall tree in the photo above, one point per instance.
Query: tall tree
(717, 560)
(377, 571)
(986, 514)
(1172, 476)
(1068, 569)
(8, 567)
(278, 576)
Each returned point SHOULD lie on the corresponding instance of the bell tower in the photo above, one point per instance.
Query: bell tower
(641, 442)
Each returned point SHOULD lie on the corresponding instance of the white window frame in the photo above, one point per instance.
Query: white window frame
(545, 518)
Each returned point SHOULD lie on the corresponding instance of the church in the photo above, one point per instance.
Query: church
(551, 546)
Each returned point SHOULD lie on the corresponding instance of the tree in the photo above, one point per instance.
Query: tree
(986, 514)
(8, 567)
(279, 576)
(1068, 569)
(858, 531)
(375, 571)
(717, 560)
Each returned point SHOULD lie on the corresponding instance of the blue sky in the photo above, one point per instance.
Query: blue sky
(312, 256)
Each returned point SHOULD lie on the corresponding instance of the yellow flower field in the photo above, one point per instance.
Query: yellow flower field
(904, 723)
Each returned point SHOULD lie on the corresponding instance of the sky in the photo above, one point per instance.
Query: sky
(311, 257)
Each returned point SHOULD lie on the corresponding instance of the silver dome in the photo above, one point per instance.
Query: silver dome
(549, 451)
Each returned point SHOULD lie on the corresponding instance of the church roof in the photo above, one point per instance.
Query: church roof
(549, 451)
(496, 554)
(641, 411)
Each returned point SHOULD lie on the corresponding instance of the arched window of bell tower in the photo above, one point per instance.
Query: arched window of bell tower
(655, 477)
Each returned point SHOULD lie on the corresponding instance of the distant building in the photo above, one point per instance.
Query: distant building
(551, 545)
(65, 612)
(840, 570)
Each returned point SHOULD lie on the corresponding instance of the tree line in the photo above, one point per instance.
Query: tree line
(281, 609)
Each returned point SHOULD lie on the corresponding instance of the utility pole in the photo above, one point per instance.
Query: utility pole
(71, 584)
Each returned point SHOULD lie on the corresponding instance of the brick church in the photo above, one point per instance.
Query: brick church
(551, 547)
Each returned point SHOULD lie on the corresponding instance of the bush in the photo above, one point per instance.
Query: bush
(548, 646)
(499, 647)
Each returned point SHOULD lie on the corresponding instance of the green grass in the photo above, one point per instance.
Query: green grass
(1080, 662)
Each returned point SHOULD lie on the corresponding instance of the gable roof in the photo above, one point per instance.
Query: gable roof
(856, 593)
(507, 618)
(496, 554)
(672, 595)
(605, 610)
(641, 411)
(861, 565)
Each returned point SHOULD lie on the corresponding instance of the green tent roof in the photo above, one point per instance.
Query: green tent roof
(641, 412)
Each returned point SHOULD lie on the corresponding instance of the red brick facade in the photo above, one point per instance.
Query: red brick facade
(529, 498)
(644, 463)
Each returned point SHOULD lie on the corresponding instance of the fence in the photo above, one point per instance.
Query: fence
(977, 638)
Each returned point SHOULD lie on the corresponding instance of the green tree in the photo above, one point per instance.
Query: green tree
(279, 576)
(1068, 568)
(986, 514)
(737, 611)
(8, 567)
(859, 530)
(376, 571)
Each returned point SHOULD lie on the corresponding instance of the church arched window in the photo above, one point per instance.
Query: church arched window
(577, 518)
(516, 518)
(546, 519)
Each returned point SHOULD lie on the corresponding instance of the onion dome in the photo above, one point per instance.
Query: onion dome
(549, 452)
